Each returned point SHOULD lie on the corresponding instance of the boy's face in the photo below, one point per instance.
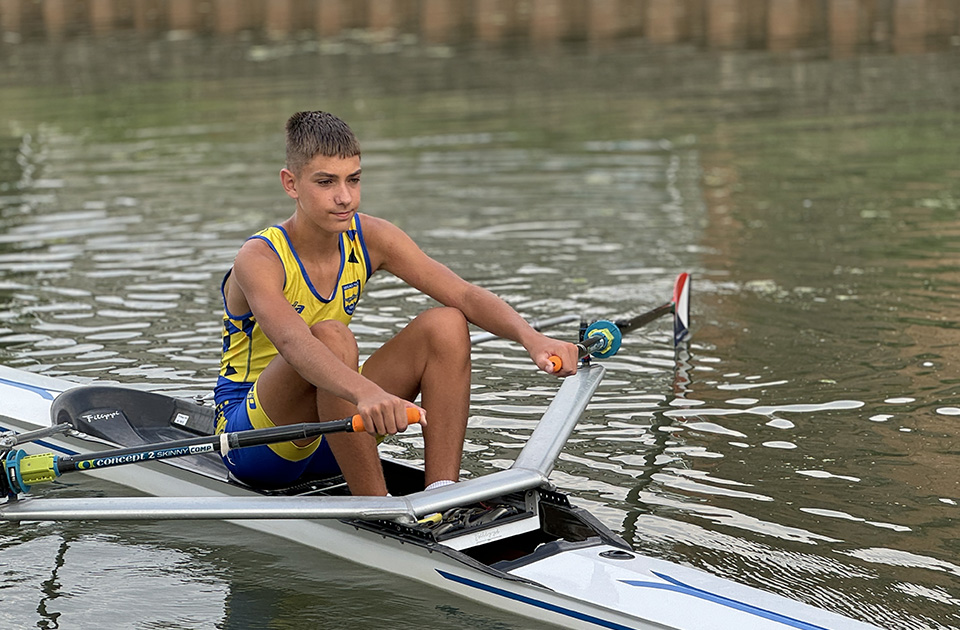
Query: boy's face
(327, 190)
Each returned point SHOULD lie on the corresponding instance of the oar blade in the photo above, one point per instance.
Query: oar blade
(681, 308)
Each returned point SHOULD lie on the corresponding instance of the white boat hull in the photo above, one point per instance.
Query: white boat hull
(582, 585)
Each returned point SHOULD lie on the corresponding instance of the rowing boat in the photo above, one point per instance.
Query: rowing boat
(509, 539)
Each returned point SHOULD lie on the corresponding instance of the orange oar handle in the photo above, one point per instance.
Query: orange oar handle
(413, 417)
(556, 362)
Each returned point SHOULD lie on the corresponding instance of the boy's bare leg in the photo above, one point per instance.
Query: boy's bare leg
(357, 456)
(288, 399)
(431, 356)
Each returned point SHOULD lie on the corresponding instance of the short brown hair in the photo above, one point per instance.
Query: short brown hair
(318, 133)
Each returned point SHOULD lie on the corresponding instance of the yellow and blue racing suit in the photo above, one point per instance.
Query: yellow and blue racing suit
(247, 351)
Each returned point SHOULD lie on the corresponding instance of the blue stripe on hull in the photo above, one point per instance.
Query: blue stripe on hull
(44, 393)
(533, 602)
(677, 586)
(44, 443)
(672, 585)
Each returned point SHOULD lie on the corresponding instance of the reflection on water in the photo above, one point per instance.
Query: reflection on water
(799, 444)
(202, 575)
(66, 577)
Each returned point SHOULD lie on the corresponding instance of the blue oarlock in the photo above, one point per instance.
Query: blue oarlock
(607, 331)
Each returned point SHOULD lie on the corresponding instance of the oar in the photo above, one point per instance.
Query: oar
(22, 471)
(602, 338)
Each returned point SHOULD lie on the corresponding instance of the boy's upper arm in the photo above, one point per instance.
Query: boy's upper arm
(259, 274)
(397, 253)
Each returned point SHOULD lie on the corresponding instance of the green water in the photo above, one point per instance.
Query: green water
(810, 446)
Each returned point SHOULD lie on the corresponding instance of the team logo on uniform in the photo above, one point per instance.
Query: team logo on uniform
(351, 295)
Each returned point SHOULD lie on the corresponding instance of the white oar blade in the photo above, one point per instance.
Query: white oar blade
(681, 308)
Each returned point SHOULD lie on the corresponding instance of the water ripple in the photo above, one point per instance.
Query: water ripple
(901, 558)
(769, 410)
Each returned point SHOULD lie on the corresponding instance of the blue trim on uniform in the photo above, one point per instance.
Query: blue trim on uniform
(306, 276)
(223, 284)
(273, 247)
(226, 390)
(223, 297)
(247, 323)
(363, 246)
(573, 614)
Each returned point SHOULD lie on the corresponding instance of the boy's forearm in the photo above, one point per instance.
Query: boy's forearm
(316, 363)
(493, 314)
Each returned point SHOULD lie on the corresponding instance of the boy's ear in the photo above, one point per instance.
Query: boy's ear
(289, 182)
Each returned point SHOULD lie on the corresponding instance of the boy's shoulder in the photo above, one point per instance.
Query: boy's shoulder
(387, 243)
(376, 227)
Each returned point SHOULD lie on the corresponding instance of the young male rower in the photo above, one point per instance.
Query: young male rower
(288, 356)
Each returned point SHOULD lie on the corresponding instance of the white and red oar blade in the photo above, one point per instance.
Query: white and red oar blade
(681, 308)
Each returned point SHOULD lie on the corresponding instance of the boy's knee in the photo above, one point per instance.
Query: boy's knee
(448, 326)
(444, 317)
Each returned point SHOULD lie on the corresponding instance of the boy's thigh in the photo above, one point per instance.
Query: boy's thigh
(285, 395)
(398, 365)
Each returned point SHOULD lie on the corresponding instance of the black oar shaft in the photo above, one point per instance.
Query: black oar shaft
(626, 325)
(272, 435)
(595, 342)
(598, 342)
(205, 444)
(20, 470)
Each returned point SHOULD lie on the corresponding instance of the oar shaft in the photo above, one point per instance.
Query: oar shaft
(585, 348)
(23, 470)
(589, 345)
(222, 443)
(197, 445)
(602, 341)
(626, 325)
(602, 338)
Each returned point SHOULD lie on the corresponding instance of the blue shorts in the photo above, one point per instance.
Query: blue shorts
(271, 465)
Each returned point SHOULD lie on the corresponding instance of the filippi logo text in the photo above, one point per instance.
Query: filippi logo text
(99, 416)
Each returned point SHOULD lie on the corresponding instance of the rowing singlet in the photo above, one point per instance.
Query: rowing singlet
(246, 349)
